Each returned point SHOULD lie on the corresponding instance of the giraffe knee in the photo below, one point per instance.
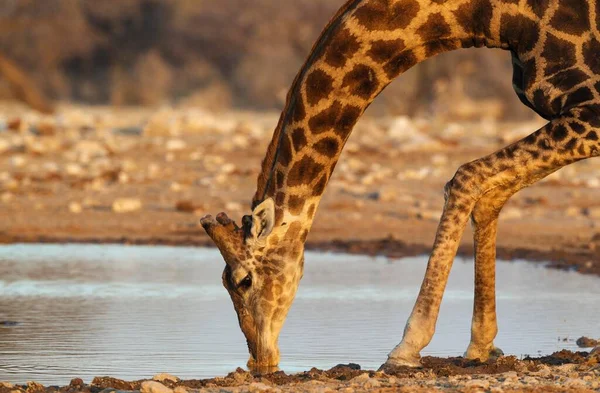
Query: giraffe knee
(464, 183)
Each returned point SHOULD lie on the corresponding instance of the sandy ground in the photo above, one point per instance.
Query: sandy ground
(135, 175)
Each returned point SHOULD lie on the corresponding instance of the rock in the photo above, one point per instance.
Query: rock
(233, 206)
(592, 212)
(180, 389)
(165, 377)
(154, 387)
(18, 161)
(186, 207)
(176, 145)
(586, 342)
(76, 382)
(176, 187)
(44, 129)
(73, 169)
(596, 351)
(126, 205)
(75, 207)
(478, 384)
(85, 151)
(7, 385)
(34, 387)
(6, 197)
(259, 387)
(4, 146)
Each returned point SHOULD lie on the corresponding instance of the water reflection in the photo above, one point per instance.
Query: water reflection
(131, 312)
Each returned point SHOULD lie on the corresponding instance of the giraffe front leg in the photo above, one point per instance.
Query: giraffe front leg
(421, 325)
(484, 326)
(557, 144)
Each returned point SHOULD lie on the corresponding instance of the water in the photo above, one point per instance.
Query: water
(131, 312)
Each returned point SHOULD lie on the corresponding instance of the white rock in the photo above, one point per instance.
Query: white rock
(4, 145)
(126, 205)
(165, 377)
(154, 387)
(176, 145)
(259, 387)
(73, 169)
(75, 207)
(18, 161)
(233, 206)
(6, 197)
(511, 213)
(481, 384)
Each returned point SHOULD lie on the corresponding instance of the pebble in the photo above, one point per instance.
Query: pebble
(75, 207)
(18, 161)
(154, 387)
(165, 377)
(176, 145)
(126, 205)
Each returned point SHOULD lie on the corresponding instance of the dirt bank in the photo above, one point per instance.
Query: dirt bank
(561, 372)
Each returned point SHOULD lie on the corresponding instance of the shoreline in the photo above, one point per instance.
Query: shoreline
(388, 247)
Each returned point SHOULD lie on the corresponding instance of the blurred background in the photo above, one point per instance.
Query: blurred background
(217, 55)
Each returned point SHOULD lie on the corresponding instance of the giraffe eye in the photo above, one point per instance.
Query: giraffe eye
(246, 282)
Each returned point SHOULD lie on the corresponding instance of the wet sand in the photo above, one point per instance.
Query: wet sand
(139, 176)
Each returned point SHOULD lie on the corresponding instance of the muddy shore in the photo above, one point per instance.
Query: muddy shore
(563, 371)
(137, 176)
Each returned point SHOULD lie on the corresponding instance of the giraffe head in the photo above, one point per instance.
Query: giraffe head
(263, 268)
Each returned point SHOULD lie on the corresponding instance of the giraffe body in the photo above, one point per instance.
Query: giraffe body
(555, 45)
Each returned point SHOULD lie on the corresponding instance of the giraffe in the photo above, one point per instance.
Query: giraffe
(555, 47)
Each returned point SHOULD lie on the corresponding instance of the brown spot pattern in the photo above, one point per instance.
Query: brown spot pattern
(435, 28)
(298, 139)
(519, 32)
(566, 80)
(296, 204)
(361, 81)
(559, 54)
(475, 17)
(304, 171)
(383, 51)
(342, 46)
(572, 16)
(293, 231)
(285, 151)
(387, 14)
(319, 188)
(400, 63)
(591, 55)
(539, 7)
(328, 147)
(318, 86)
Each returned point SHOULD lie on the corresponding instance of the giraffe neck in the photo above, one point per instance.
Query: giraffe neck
(366, 45)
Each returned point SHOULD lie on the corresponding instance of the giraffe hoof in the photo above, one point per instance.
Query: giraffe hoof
(483, 354)
(393, 363)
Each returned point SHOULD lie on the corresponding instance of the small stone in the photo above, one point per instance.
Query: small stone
(34, 387)
(75, 207)
(586, 342)
(479, 384)
(18, 161)
(126, 205)
(165, 377)
(592, 212)
(233, 206)
(44, 129)
(154, 387)
(4, 145)
(259, 387)
(175, 145)
(73, 169)
(186, 206)
(176, 187)
(6, 197)
(75, 382)
(7, 385)
(15, 124)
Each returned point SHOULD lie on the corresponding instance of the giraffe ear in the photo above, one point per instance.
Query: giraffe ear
(263, 219)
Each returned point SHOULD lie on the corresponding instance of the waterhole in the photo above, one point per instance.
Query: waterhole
(130, 312)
